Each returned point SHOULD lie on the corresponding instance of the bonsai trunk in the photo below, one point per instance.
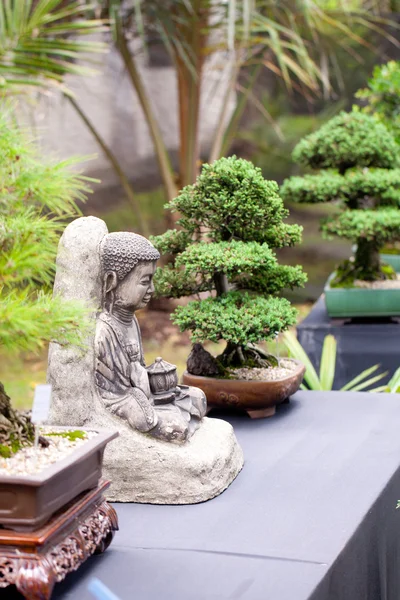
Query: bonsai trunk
(221, 283)
(236, 356)
(16, 429)
(7, 414)
(367, 264)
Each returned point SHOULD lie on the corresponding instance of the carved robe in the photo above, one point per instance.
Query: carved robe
(123, 384)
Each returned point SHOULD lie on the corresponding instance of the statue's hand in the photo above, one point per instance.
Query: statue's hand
(140, 378)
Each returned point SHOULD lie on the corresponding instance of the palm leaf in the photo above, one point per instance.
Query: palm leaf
(379, 389)
(296, 351)
(327, 368)
(328, 363)
(394, 383)
(368, 382)
(33, 48)
(350, 385)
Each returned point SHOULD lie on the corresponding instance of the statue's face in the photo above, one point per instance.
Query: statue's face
(136, 289)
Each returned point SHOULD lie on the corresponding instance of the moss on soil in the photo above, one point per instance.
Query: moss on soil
(391, 250)
(70, 435)
(12, 448)
(346, 276)
(5, 451)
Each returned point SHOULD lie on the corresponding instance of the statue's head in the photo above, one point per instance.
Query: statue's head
(128, 263)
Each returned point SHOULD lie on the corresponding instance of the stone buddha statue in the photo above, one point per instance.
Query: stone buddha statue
(167, 451)
(128, 264)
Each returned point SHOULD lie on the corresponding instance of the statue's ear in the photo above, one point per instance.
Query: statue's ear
(110, 281)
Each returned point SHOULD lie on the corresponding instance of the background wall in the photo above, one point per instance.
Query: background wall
(108, 98)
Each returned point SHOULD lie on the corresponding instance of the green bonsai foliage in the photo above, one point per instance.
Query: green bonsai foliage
(231, 222)
(359, 170)
(36, 199)
(382, 95)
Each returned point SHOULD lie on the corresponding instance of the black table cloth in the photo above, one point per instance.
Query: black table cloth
(311, 516)
(361, 343)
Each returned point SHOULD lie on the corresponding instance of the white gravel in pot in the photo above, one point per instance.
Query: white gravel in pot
(30, 460)
(384, 284)
(285, 369)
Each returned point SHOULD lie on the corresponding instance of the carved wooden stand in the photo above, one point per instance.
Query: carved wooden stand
(35, 561)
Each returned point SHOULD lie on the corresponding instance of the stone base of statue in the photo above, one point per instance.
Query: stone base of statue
(147, 470)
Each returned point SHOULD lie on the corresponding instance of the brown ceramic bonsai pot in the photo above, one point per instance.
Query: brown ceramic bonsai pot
(257, 398)
(28, 501)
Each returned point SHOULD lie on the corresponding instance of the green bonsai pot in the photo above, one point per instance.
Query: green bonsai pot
(393, 260)
(361, 302)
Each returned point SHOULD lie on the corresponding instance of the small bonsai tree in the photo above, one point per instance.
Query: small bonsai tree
(231, 221)
(35, 201)
(358, 161)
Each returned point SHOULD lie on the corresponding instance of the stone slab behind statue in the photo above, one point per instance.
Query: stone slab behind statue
(77, 278)
(142, 468)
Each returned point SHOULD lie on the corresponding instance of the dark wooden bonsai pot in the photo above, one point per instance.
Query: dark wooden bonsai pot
(257, 398)
(28, 501)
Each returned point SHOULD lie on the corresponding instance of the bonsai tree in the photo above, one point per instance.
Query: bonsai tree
(358, 162)
(231, 222)
(35, 201)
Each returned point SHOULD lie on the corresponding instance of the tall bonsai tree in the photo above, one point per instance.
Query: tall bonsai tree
(358, 163)
(35, 201)
(231, 222)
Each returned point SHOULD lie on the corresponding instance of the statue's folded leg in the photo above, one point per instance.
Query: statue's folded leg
(136, 410)
(192, 400)
(173, 424)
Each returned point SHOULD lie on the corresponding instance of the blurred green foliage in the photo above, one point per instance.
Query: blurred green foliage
(36, 200)
(270, 145)
(348, 140)
(382, 95)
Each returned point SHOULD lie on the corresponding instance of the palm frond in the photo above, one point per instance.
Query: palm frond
(368, 382)
(296, 351)
(354, 382)
(394, 383)
(34, 49)
(328, 366)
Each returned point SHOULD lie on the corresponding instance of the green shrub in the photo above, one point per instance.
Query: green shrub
(36, 200)
(231, 221)
(359, 162)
